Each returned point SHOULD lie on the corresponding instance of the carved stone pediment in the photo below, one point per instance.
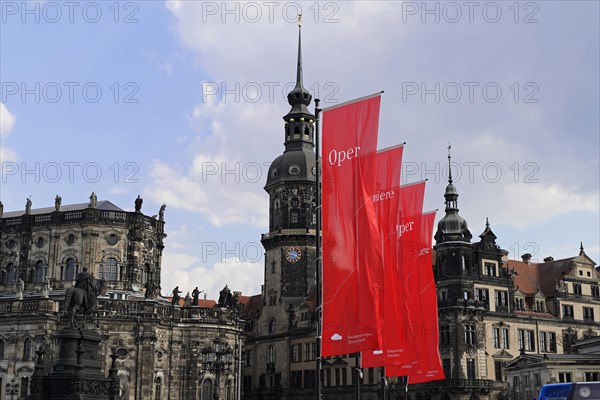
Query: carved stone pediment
(503, 355)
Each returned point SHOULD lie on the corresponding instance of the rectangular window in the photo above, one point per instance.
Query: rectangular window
(505, 339)
(489, 269)
(309, 378)
(576, 288)
(543, 343)
(564, 377)
(569, 338)
(328, 375)
(588, 314)
(338, 376)
(526, 340)
(470, 368)
(296, 353)
(445, 335)
(595, 291)
(470, 335)
(501, 297)
(592, 376)
(567, 310)
(496, 337)
(498, 370)
(296, 379)
(371, 376)
(344, 376)
(309, 351)
(248, 358)
(483, 295)
(552, 342)
(537, 378)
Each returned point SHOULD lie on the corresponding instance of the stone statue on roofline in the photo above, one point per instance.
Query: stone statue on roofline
(93, 200)
(138, 204)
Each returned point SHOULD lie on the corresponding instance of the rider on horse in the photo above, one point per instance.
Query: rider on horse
(86, 282)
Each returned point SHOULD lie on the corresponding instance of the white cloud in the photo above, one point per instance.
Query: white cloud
(183, 270)
(523, 205)
(7, 121)
(222, 200)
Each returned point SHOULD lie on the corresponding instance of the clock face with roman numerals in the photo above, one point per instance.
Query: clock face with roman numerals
(293, 254)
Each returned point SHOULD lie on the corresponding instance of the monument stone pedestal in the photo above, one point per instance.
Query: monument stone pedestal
(77, 373)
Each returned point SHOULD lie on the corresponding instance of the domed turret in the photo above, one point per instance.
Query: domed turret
(452, 227)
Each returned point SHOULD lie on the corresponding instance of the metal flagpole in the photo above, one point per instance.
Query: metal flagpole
(318, 251)
(357, 373)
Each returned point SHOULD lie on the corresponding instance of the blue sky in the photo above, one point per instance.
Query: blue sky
(513, 86)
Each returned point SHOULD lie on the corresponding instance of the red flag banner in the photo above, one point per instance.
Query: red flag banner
(384, 169)
(423, 300)
(397, 347)
(349, 323)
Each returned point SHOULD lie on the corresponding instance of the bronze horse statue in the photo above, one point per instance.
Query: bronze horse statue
(77, 299)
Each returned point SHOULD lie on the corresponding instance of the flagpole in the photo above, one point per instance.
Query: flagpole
(318, 251)
(357, 373)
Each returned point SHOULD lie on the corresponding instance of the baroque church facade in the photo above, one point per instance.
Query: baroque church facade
(495, 314)
(166, 350)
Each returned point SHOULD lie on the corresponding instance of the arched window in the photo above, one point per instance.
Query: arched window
(207, 389)
(306, 132)
(297, 132)
(272, 325)
(24, 387)
(108, 271)
(26, 349)
(40, 271)
(158, 388)
(145, 273)
(228, 390)
(271, 355)
(70, 270)
(11, 274)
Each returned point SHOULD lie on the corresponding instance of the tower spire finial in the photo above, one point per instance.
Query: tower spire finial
(449, 162)
(487, 222)
(299, 67)
(581, 252)
(299, 97)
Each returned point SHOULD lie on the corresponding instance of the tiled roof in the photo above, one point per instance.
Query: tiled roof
(250, 304)
(543, 276)
(202, 303)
